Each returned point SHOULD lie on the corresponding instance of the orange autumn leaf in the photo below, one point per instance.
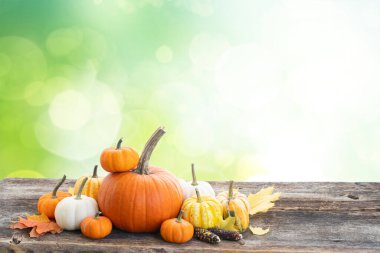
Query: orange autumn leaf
(17, 225)
(51, 227)
(40, 225)
(33, 233)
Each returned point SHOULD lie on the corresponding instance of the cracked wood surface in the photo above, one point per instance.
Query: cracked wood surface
(309, 217)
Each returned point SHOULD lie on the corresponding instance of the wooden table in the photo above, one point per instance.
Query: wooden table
(309, 217)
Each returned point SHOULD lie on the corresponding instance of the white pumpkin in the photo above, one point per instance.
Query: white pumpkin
(203, 187)
(71, 211)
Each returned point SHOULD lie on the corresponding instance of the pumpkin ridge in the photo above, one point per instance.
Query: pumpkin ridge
(158, 185)
(134, 182)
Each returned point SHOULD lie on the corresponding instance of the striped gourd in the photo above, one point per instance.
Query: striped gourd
(203, 211)
(233, 200)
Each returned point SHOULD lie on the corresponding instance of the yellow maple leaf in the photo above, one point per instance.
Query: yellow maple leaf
(258, 230)
(36, 217)
(263, 200)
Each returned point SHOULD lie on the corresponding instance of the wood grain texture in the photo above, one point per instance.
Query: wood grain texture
(309, 217)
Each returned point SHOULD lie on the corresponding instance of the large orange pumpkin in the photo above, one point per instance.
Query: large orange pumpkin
(140, 200)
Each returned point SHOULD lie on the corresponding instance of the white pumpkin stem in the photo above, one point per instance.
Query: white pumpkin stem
(179, 217)
(143, 165)
(95, 172)
(231, 190)
(118, 145)
(194, 183)
(198, 195)
(79, 194)
(54, 193)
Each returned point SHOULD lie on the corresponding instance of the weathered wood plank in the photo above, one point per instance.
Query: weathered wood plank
(310, 217)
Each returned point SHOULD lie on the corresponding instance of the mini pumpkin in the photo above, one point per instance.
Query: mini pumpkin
(96, 227)
(71, 211)
(203, 211)
(119, 159)
(140, 200)
(177, 230)
(203, 187)
(233, 200)
(48, 202)
(92, 185)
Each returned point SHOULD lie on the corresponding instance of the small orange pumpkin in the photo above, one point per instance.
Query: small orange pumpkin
(177, 230)
(120, 159)
(47, 202)
(96, 227)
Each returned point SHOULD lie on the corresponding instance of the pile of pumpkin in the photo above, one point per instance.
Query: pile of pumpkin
(137, 197)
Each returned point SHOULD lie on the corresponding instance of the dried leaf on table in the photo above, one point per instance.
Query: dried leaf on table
(263, 200)
(258, 230)
(40, 225)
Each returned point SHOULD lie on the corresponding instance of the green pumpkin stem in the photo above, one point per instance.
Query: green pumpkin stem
(179, 217)
(231, 190)
(95, 172)
(54, 193)
(143, 165)
(118, 146)
(79, 194)
(97, 215)
(194, 183)
(198, 195)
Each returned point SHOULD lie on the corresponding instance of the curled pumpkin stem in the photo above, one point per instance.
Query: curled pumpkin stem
(143, 165)
(179, 217)
(194, 183)
(95, 172)
(81, 189)
(231, 190)
(118, 146)
(54, 193)
(199, 198)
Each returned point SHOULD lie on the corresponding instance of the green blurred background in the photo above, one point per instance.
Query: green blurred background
(247, 90)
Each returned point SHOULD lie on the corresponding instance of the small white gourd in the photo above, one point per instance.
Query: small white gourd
(70, 212)
(203, 187)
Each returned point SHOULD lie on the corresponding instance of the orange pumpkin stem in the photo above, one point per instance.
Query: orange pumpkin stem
(118, 146)
(179, 217)
(194, 183)
(79, 194)
(97, 215)
(143, 165)
(198, 195)
(54, 193)
(95, 172)
(231, 190)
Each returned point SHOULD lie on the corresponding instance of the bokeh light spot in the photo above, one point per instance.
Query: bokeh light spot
(202, 8)
(26, 173)
(164, 54)
(70, 110)
(5, 64)
(81, 141)
(206, 49)
(62, 41)
(21, 62)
